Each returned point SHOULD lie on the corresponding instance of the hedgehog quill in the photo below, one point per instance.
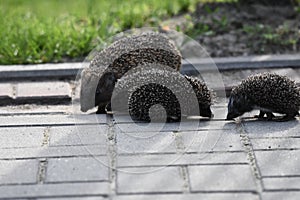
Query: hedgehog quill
(268, 92)
(119, 58)
(154, 84)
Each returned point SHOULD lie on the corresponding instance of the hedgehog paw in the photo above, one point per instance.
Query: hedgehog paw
(285, 118)
(270, 116)
(101, 110)
(262, 114)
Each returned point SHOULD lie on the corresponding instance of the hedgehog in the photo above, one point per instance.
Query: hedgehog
(120, 57)
(151, 85)
(268, 92)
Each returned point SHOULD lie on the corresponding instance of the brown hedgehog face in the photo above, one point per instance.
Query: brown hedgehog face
(237, 106)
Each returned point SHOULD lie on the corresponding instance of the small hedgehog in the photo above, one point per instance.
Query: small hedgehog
(155, 85)
(120, 57)
(268, 92)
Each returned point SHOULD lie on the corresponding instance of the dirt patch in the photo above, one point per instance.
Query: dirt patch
(231, 29)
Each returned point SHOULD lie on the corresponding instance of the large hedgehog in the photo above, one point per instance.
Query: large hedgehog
(270, 93)
(98, 80)
(153, 84)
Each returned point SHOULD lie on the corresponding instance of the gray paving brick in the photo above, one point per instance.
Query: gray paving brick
(184, 126)
(35, 109)
(146, 142)
(49, 152)
(179, 159)
(43, 89)
(214, 140)
(77, 135)
(54, 190)
(141, 180)
(77, 169)
(17, 120)
(207, 196)
(278, 163)
(276, 143)
(21, 137)
(6, 91)
(281, 195)
(220, 113)
(18, 171)
(258, 129)
(221, 178)
(76, 198)
(282, 183)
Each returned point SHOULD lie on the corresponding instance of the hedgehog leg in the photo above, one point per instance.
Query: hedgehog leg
(270, 116)
(261, 115)
(108, 107)
(101, 109)
(285, 118)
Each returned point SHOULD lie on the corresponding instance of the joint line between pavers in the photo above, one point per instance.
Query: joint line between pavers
(46, 137)
(183, 169)
(14, 90)
(246, 142)
(42, 168)
(112, 156)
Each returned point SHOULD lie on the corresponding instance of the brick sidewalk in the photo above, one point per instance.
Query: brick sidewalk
(46, 154)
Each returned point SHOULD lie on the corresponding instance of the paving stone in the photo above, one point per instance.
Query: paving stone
(276, 143)
(35, 109)
(282, 183)
(76, 198)
(179, 159)
(78, 135)
(52, 152)
(77, 169)
(146, 142)
(6, 91)
(207, 196)
(18, 171)
(259, 129)
(51, 120)
(221, 178)
(184, 126)
(214, 140)
(21, 137)
(278, 163)
(43, 89)
(220, 113)
(54, 190)
(281, 195)
(141, 180)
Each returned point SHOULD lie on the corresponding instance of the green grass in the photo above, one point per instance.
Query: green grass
(38, 31)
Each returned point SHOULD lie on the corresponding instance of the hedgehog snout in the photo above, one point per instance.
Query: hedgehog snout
(233, 111)
(206, 112)
(105, 88)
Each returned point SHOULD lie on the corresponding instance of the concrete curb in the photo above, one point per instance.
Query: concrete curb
(192, 67)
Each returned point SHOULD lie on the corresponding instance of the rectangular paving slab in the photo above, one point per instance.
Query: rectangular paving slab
(54, 190)
(18, 172)
(278, 163)
(221, 178)
(282, 183)
(77, 169)
(149, 180)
